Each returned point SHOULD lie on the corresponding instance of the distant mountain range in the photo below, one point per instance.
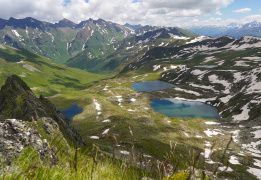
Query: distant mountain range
(233, 30)
(131, 48)
(94, 45)
(101, 46)
(62, 40)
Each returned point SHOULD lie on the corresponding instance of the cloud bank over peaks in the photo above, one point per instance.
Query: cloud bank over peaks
(153, 12)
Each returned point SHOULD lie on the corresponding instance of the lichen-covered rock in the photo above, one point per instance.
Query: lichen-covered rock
(49, 125)
(16, 135)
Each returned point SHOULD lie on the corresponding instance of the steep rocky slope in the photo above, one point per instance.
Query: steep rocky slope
(16, 135)
(18, 102)
(130, 49)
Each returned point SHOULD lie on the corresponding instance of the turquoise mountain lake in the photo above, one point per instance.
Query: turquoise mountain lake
(174, 107)
(151, 86)
(186, 109)
(72, 111)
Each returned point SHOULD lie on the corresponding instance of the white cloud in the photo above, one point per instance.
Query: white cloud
(218, 13)
(153, 12)
(222, 22)
(244, 10)
(48, 10)
(250, 18)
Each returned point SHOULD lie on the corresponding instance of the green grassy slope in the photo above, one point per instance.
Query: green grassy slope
(41, 74)
(102, 59)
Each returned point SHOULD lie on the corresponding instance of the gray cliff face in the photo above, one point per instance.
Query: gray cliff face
(17, 101)
(16, 135)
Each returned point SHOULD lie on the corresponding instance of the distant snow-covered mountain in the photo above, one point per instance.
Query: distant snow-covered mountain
(233, 30)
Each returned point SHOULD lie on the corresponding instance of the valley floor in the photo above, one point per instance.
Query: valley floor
(117, 119)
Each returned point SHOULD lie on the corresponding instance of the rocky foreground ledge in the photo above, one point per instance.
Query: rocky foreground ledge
(23, 116)
(16, 135)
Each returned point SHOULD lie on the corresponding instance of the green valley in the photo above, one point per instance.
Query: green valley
(119, 135)
(41, 74)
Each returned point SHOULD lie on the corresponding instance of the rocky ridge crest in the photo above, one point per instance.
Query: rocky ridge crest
(18, 108)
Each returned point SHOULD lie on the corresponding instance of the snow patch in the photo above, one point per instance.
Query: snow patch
(241, 63)
(107, 121)
(198, 39)
(178, 37)
(161, 44)
(187, 91)
(213, 132)
(226, 98)
(211, 123)
(233, 160)
(253, 148)
(197, 72)
(94, 137)
(106, 88)
(208, 59)
(221, 62)
(173, 67)
(238, 77)
(255, 171)
(156, 67)
(243, 115)
(124, 152)
(225, 168)
(203, 87)
(235, 135)
(214, 79)
(257, 163)
(105, 132)
(198, 136)
(127, 48)
(16, 33)
(50, 34)
(133, 99)
(257, 133)
(257, 127)
(97, 107)
(186, 134)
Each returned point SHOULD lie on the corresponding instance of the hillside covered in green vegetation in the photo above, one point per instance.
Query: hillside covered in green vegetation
(119, 135)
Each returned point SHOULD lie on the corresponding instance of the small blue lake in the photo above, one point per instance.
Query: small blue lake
(186, 109)
(151, 86)
(72, 111)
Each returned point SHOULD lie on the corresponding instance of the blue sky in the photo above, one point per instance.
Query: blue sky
(254, 5)
(151, 12)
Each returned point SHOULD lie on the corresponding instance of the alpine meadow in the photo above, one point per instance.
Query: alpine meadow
(146, 90)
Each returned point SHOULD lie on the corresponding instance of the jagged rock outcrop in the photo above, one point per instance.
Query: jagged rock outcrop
(16, 135)
(17, 101)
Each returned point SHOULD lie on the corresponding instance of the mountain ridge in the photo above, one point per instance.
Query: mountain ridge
(234, 30)
(19, 102)
(61, 40)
